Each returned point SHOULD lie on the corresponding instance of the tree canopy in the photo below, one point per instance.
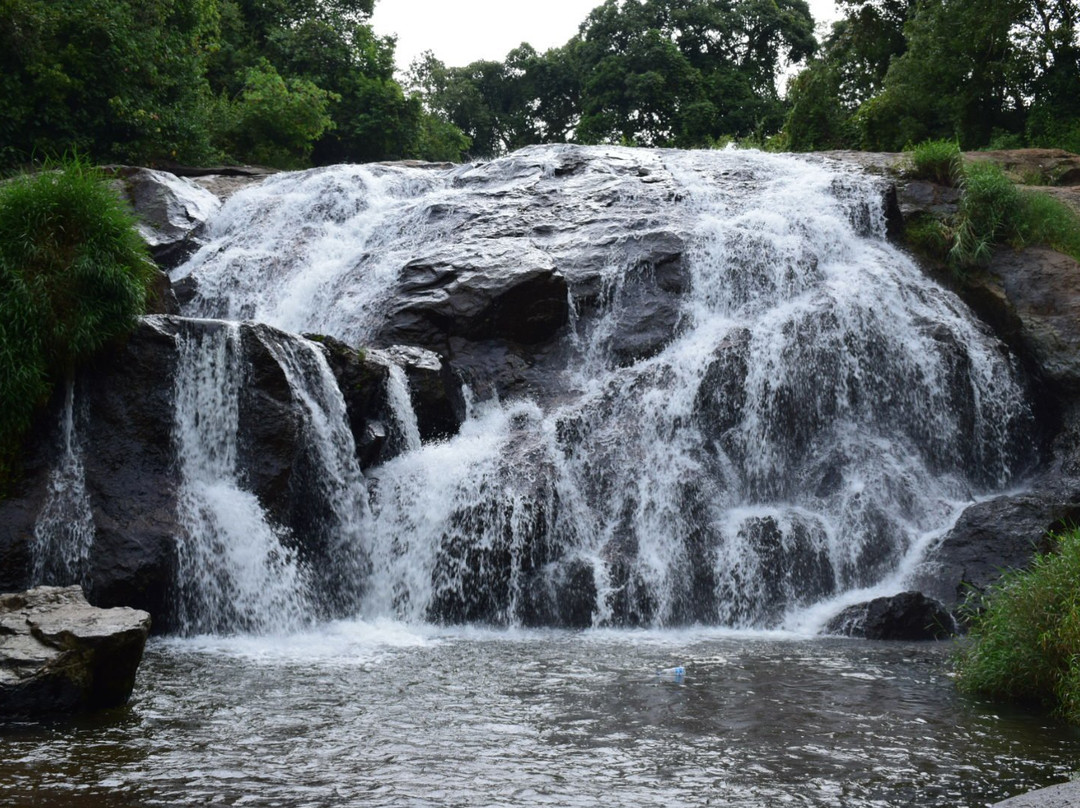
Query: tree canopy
(982, 72)
(650, 72)
(279, 82)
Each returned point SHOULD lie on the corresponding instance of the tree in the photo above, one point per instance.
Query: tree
(118, 80)
(849, 70)
(706, 68)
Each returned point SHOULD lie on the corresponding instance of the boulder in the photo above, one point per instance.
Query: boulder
(994, 536)
(59, 654)
(171, 211)
(907, 616)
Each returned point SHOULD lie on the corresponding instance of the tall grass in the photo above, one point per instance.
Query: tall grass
(1024, 645)
(74, 275)
(937, 161)
(993, 212)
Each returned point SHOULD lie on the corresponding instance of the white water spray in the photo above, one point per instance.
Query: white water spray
(819, 410)
(64, 531)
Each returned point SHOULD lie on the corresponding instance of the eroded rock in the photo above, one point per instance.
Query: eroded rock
(59, 654)
(907, 616)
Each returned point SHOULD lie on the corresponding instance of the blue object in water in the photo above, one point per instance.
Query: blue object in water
(675, 674)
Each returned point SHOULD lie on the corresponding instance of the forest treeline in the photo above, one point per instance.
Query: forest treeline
(290, 83)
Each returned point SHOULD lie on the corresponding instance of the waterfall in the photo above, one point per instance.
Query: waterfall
(817, 411)
(400, 403)
(239, 568)
(64, 531)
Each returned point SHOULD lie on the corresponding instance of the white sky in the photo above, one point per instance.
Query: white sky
(462, 31)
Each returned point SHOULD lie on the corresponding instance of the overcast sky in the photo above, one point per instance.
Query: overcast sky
(462, 31)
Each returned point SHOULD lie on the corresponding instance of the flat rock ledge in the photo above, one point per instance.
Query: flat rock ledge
(1065, 795)
(59, 654)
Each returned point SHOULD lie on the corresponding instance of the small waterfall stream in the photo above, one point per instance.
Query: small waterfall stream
(64, 532)
(234, 569)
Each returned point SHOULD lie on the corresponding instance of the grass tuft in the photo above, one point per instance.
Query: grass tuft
(937, 161)
(1024, 644)
(74, 274)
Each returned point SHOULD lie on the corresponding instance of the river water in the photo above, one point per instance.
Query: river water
(388, 714)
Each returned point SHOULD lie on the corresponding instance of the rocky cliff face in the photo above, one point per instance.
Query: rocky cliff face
(550, 258)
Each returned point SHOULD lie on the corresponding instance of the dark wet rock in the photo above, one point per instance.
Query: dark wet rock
(435, 393)
(434, 389)
(362, 381)
(793, 565)
(648, 308)
(1031, 298)
(171, 211)
(476, 298)
(59, 654)
(722, 394)
(995, 536)
(907, 616)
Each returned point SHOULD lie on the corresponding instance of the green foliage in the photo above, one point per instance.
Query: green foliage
(74, 275)
(937, 160)
(275, 122)
(989, 213)
(1001, 72)
(1049, 221)
(647, 72)
(118, 80)
(993, 212)
(1025, 644)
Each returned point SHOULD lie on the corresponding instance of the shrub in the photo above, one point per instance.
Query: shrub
(937, 160)
(1025, 644)
(74, 275)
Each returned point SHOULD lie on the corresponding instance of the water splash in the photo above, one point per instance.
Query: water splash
(234, 569)
(64, 530)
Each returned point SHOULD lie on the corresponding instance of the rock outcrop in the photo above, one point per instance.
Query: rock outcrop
(124, 433)
(59, 654)
(907, 616)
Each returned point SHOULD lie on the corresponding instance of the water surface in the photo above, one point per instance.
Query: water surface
(385, 714)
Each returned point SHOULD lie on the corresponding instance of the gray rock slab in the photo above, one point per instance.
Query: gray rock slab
(60, 654)
(1066, 795)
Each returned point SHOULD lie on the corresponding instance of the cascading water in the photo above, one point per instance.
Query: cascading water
(239, 569)
(234, 571)
(820, 411)
(64, 531)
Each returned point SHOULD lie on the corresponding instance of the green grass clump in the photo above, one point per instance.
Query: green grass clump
(993, 212)
(74, 274)
(1046, 220)
(1024, 645)
(937, 161)
(989, 212)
